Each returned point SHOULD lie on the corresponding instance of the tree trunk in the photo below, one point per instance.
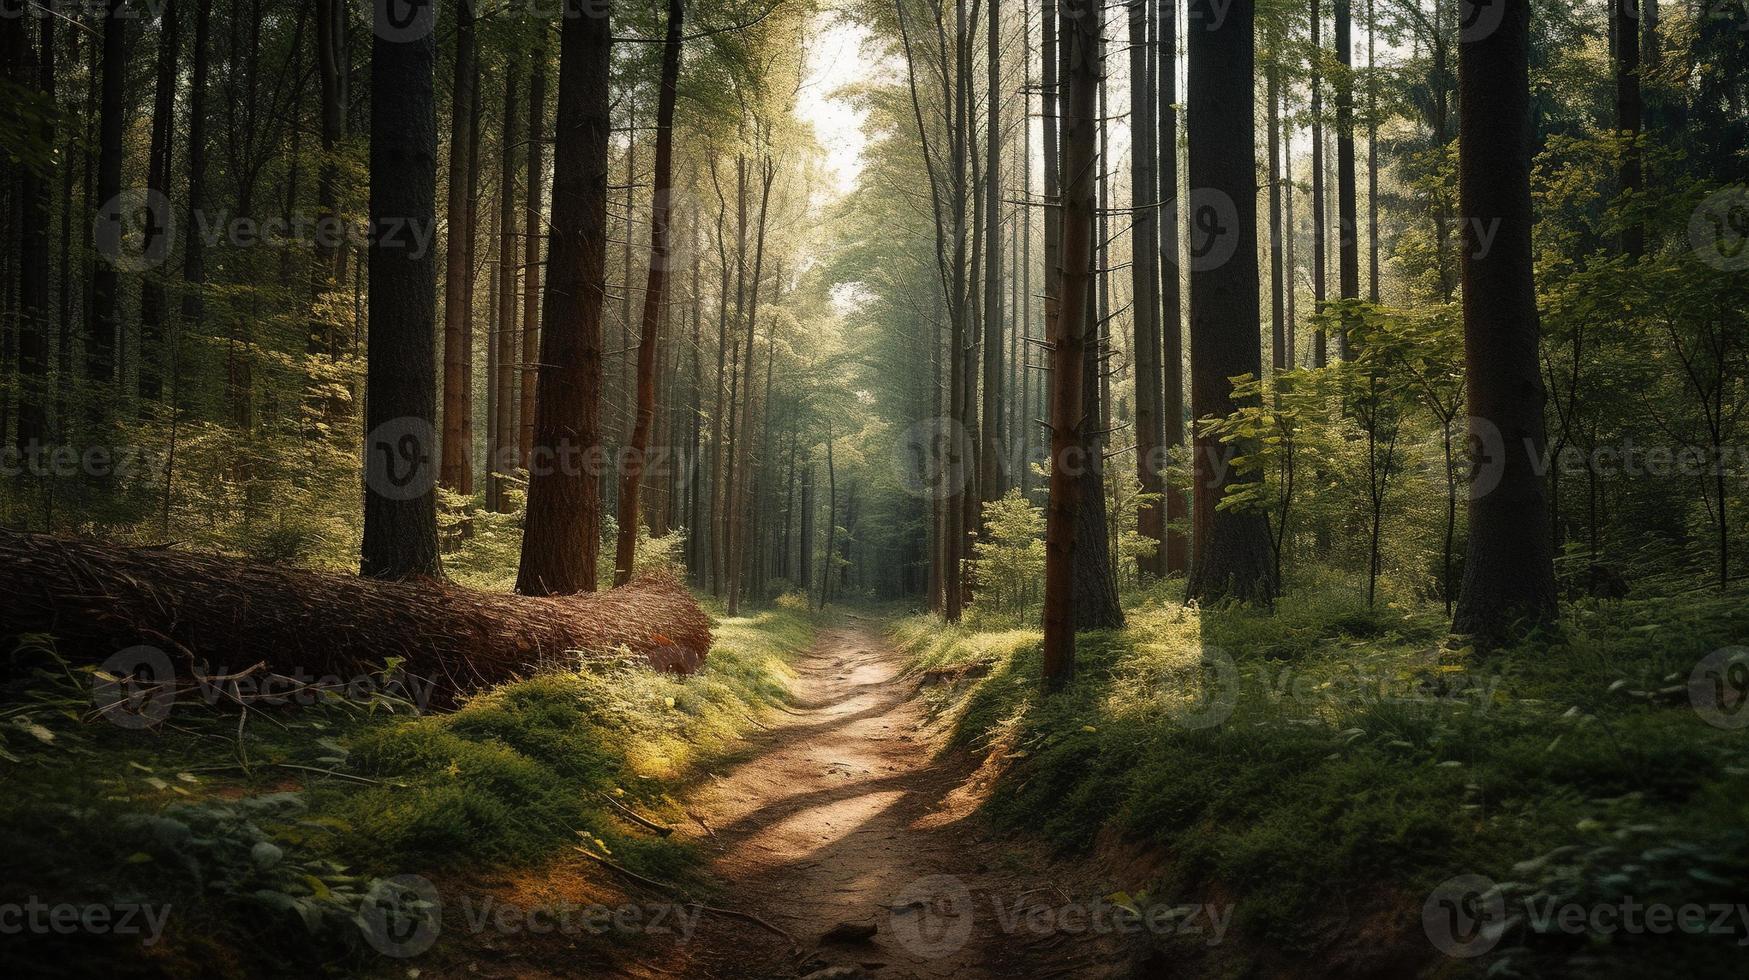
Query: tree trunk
(991, 476)
(739, 492)
(1172, 285)
(458, 354)
(1145, 287)
(505, 436)
(1069, 421)
(534, 220)
(1320, 237)
(193, 247)
(152, 356)
(631, 478)
(562, 536)
(33, 250)
(1628, 112)
(103, 321)
(1277, 288)
(400, 507)
(1233, 555)
(1509, 579)
(1348, 223)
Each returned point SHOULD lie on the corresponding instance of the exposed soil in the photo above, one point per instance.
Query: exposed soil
(847, 816)
(844, 815)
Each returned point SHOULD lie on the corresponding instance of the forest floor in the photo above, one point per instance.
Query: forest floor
(845, 815)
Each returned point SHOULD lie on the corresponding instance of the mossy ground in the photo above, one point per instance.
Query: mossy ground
(1330, 763)
(264, 832)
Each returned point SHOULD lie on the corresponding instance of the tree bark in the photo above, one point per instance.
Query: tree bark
(1069, 421)
(1171, 285)
(534, 220)
(1320, 237)
(506, 439)
(458, 354)
(103, 321)
(1145, 287)
(1628, 112)
(153, 358)
(1348, 223)
(631, 478)
(1233, 554)
(400, 507)
(1509, 578)
(562, 537)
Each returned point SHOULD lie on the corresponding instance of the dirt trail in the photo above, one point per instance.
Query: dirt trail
(845, 814)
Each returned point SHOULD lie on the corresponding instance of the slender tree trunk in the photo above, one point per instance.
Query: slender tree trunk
(1069, 420)
(1278, 288)
(738, 485)
(1372, 152)
(400, 506)
(1145, 286)
(193, 247)
(458, 354)
(152, 355)
(1096, 602)
(506, 437)
(991, 475)
(1233, 553)
(534, 219)
(33, 249)
(103, 322)
(1172, 287)
(1509, 579)
(1320, 237)
(636, 446)
(562, 537)
(1348, 223)
(1628, 113)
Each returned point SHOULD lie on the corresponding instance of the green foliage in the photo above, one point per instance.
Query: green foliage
(1330, 756)
(266, 836)
(1008, 563)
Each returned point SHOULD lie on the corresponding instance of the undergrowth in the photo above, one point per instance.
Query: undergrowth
(1329, 765)
(264, 832)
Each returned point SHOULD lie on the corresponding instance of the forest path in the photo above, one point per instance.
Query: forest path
(846, 813)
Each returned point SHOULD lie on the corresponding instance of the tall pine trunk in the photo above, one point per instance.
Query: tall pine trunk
(458, 354)
(1080, 42)
(1172, 285)
(505, 438)
(562, 538)
(1233, 554)
(1509, 578)
(1145, 287)
(400, 505)
(631, 478)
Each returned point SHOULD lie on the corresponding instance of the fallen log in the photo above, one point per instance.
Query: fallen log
(217, 614)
